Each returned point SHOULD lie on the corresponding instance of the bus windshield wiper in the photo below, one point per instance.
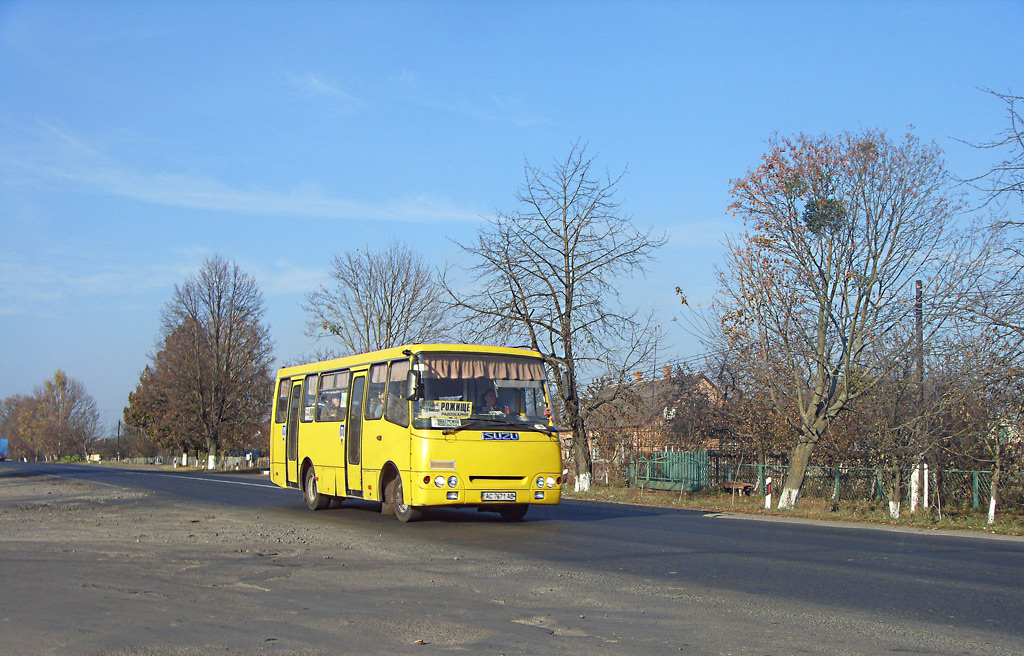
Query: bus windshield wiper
(511, 422)
(480, 422)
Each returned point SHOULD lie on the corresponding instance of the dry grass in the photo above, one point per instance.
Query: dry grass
(1007, 522)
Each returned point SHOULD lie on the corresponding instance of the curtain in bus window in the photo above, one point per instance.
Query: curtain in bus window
(481, 366)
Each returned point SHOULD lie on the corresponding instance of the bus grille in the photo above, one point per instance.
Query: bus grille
(480, 479)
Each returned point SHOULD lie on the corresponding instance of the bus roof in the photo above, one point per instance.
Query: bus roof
(400, 352)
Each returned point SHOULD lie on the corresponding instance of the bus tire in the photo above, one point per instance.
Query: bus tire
(514, 513)
(314, 500)
(403, 511)
(387, 503)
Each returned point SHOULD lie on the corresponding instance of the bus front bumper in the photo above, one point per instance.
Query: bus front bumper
(430, 495)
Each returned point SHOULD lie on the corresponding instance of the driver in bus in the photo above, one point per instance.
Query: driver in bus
(490, 403)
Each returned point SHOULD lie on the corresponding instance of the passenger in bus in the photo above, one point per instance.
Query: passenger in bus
(376, 406)
(331, 411)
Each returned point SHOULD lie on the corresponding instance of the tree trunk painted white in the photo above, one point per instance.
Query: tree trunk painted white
(582, 482)
(927, 501)
(993, 486)
(184, 460)
(799, 459)
(211, 461)
(915, 489)
(787, 500)
(894, 509)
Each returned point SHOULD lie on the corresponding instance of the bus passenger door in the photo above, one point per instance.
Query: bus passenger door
(354, 437)
(291, 465)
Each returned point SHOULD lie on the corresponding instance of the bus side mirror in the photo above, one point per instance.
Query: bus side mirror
(412, 386)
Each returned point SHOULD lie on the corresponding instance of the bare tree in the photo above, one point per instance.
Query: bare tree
(64, 420)
(211, 382)
(839, 229)
(1005, 180)
(546, 276)
(995, 286)
(746, 414)
(697, 412)
(379, 299)
(983, 376)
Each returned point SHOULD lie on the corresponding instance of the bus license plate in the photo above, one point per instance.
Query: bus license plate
(499, 496)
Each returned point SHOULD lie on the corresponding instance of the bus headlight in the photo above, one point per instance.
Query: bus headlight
(453, 481)
(540, 481)
(439, 481)
(551, 481)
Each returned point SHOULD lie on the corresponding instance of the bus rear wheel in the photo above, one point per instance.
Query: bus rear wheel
(403, 511)
(314, 500)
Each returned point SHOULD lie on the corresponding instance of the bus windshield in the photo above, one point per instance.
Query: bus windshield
(460, 389)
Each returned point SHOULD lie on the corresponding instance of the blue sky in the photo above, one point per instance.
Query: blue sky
(138, 138)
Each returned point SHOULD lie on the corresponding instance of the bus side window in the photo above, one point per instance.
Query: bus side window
(285, 387)
(375, 391)
(333, 400)
(309, 398)
(397, 408)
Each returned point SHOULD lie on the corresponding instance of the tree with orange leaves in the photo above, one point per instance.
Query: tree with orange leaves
(838, 229)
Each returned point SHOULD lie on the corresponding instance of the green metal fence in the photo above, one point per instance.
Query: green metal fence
(677, 470)
(692, 471)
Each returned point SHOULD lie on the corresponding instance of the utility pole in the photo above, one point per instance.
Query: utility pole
(119, 440)
(922, 465)
(919, 321)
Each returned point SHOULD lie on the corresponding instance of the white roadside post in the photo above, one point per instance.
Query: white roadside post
(768, 493)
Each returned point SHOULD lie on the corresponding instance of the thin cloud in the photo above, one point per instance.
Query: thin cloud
(42, 286)
(701, 233)
(64, 159)
(316, 85)
(34, 289)
(499, 109)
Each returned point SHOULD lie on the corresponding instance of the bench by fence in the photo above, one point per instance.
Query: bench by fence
(737, 486)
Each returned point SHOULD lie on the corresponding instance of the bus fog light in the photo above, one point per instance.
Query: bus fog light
(453, 496)
(551, 481)
(538, 495)
(453, 481)
(540, 481)
(439, 481)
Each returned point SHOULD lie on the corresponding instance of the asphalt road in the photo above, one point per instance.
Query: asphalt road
(608, 578)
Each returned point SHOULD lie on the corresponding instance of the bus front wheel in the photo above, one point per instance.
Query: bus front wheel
(314, 500)
(403, 511)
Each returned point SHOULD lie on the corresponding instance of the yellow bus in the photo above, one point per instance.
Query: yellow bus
(419, 426)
